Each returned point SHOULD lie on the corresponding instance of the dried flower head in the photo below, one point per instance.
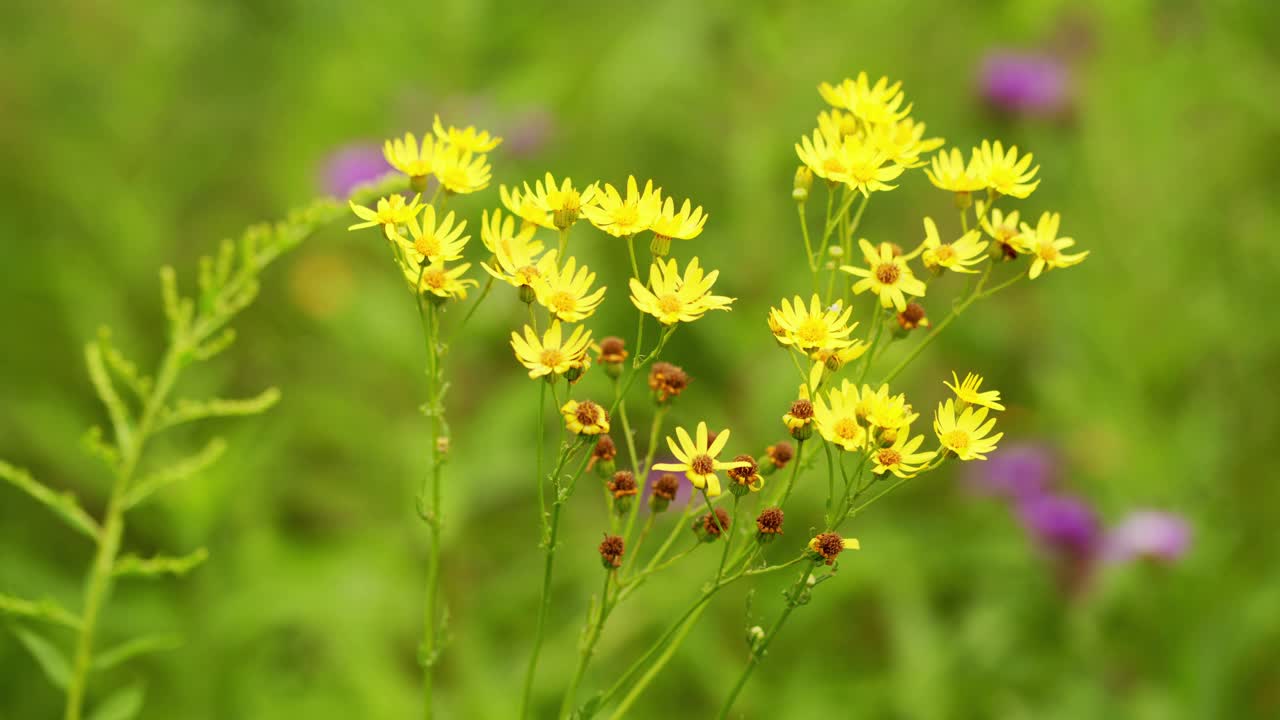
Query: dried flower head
(828, 545)
(667, 381)
(912, 317)
(780, 454)
(769, 523)
(746, 477)
(708, 527)
(603, 454)
(611, 550)
(612, 349)
(622, 484)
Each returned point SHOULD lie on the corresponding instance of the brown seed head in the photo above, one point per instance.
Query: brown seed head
(828, 545)
(589, 413)
(702, 464)
(912, 317)
(708, 525)
(666, 486)
(745, 475)
(802, 409)
(623, 484)
(780, 454)
(769, 521)
(611, 550)
(888, 273)
(612, 350)
(667, 381)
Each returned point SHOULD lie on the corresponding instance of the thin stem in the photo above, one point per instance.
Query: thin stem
(661, 661)
(635, 267)
(808, 246)
(758, 651)
(538, 480)
(431, 634)
(588, 647)
(795, 471)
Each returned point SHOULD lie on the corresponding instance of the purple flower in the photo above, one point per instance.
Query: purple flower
(1016, 472)
(1025, 83)
(1153, 534)
(352, 165)
(1060, 522)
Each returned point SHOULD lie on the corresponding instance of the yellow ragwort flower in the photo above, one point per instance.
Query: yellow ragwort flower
(966, 436)
(566, 294)
(836, 124)
(674, 298)
(468, 139)
(440, 281)
(878, 104)
(551, 354)
(903, 142)
(814, 327)
(409, 157)
(625, 216)
(515, 254)
(390, 212)
(585, 418)
(697, 459)
(901, 458)
(886, 274)
(1003, 229)
(824, 155)
(433, 240)
(461, 171)
(948, 171)
(836, 417)
(970, 391)
(956, 256)
(868, 169)
(684, 225)
(1003, 172)
(563, 202)
(523, 206)
(1043, 242)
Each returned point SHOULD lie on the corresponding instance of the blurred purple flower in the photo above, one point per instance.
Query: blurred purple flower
(1025, 83)
(1151, 534)
(1060, 522)
(528, 132)
(352, 165)
(1016, 472)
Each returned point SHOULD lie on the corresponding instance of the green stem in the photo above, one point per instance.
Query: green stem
(431, 634)
(635, 267)
(795, 471)
(808, 246)
(588, 648)
(757, 652)
(661, 661)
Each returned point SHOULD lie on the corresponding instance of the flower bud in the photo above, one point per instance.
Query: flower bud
(663, 491)
(602, 456)
(527, 294)
(565, 217)
(666, 381)
(611, 550)
(964, 200)
(769, 524)
(708, 528)
(623, 488)
(802, 184)
(779, 455)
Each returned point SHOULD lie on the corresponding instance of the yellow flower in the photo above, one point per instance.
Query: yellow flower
(1004, 172)
(674, 298)
(625, 216)
(585, 418)
(551, 354)
(390, 212)
(878, 104)
(970, 392)
(567, 295)
(1044, 243)
(814, 327)
(684, 225)
(835, 125)
(888, 412)
(836, 418)
(957, 256)
(432, 240)
(460, 171)
(866, 168)
(901, 457)
(564, 202)
(904, 142)
(948, 171)
(523, 206)
(1003, 229)
(468, 139)
(439, 280)
(835, 358)
(698, 459)
(515, 255)
(410, 158)
(887, 275)
(965, 436)
(824, 155)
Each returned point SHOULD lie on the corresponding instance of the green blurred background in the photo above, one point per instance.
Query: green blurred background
(139, 133)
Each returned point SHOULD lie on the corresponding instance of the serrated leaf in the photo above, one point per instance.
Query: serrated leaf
(159, 564)
(64, 504)
(47, 655)
(181, 470)
(123, 704)
(130, 649)
(191, 410)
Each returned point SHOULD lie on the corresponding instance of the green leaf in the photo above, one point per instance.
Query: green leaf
(44, 611)
(47, 656)
(159, 565)
(63, 504)
(137, 383)
(121, 421)
(123, 704)
(130, 649)
(190, 410)
(181, 470)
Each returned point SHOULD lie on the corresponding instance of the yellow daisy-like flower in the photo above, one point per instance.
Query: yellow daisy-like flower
(814, 327)
(836, 418)
(515, 254)
(468, 139)
(904, 142)
(698, 458)
(878, 104)
(461, 171)
(1043, 242)
(1003, 172)
(409, 157)
(886, 274)
(566, 294)
(970, 391)
(835, 125)
(957, 256)
(433, 240)
(948, 171)
(824, 155)
(684, 225)
(868, 169)
(888, 412)
(1003, 229)
(523, 206)
(564, 202)
(585, 418)
(901, 458)
(674, 298)
(439, 280)
(625, 216)
(966, 436)
(390, 212)
(551, 354)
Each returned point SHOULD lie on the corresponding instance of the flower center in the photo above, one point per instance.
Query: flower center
(888, 273)
(670, 303)
(802, 409)
(1047, 252)
(849, 429)
(832, 165)
(562, 302)
(434, 279)
(944, 253)
(427, 245)
(888, 457)
(551, 357)
(626, 215)
(588, 413)
(956, 440)
(527, 274)
(702, 465)
(812, 331)
(455, 177)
